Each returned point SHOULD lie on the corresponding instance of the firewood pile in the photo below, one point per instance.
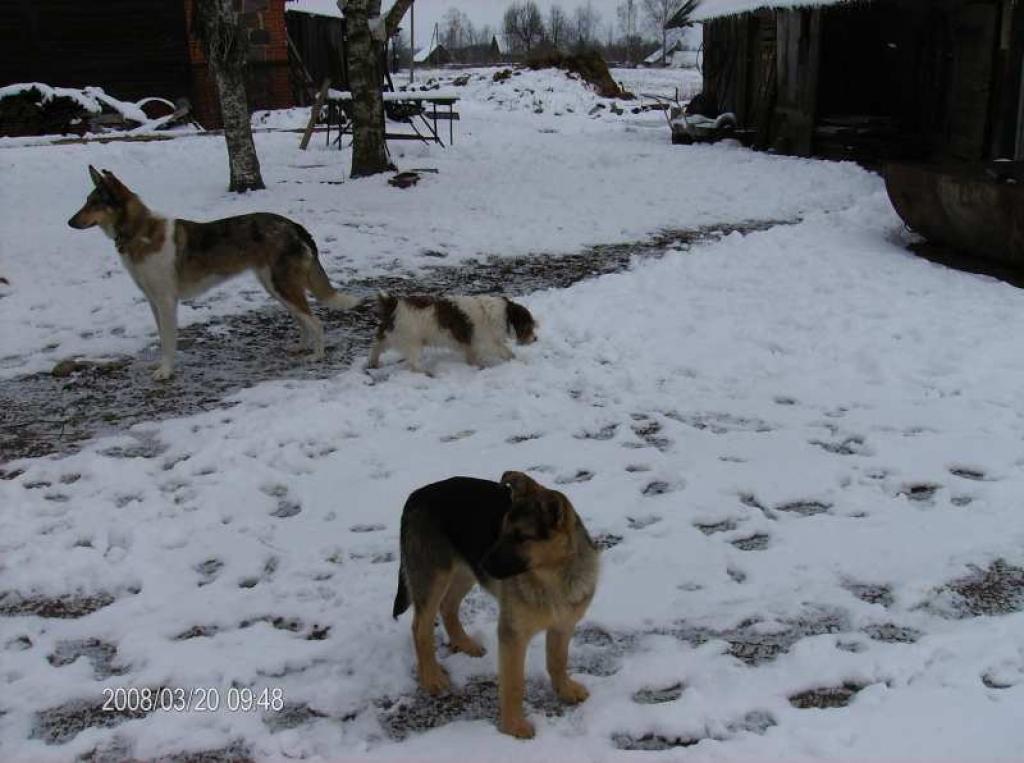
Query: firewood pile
(34, 108)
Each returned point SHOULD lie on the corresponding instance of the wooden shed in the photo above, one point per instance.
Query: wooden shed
(317, 32)
(870, 79)
(139, 48)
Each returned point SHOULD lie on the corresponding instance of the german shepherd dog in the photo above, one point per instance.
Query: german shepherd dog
(524, 544)
(172, 260)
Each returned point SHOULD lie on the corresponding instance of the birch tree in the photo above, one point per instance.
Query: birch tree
(367, 32)
(226, 45)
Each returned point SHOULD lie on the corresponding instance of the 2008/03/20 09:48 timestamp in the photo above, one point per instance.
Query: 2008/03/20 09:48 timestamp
(195, 699)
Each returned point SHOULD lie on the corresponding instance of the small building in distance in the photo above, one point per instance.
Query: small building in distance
(434, 54)
(681, 51)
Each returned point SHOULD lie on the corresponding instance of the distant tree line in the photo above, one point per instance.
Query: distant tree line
(636, 31)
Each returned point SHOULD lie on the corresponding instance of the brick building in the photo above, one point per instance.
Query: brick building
(268, 82)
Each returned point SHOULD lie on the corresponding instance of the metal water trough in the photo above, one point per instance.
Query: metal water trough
(974, 208)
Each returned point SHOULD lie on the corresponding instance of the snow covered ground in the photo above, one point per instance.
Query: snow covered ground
(800, 447)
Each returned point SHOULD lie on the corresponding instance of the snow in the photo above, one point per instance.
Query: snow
(712, 9)
(804, 383)
(92, 99)
(314, 7)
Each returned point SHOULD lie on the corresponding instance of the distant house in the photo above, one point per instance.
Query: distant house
(139, 48)
(434, 54)
(484, 53)
(870, 80)
(682, 49)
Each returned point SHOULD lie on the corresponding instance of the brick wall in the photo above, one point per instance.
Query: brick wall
(268, 82)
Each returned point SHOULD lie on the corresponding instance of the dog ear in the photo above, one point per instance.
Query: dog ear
(119, 190)
(554, 509)
(97, 178)
(520, 484)
(519, 320)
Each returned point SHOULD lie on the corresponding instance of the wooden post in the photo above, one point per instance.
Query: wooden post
(412, 40)
(314, 112)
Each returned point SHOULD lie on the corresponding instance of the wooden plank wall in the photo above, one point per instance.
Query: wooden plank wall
(130, 48)
(320, 41)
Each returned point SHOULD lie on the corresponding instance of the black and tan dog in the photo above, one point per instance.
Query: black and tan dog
(173, 259)
(524, 544)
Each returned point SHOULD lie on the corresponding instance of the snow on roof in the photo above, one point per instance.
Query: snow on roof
(424, 53)
(711, 9)
(686, 38)
(656, 56)
(314, 7)
(503, 42)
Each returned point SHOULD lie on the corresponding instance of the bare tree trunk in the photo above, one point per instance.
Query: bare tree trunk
(369, 149)
(367, 32)
(226, 47)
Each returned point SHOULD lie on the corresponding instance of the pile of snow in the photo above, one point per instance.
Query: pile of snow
(540, 91)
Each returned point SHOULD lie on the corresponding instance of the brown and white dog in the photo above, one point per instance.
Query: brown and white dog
(173, 259)
(476, 326)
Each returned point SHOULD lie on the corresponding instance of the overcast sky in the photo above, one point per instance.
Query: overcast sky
(482, 12)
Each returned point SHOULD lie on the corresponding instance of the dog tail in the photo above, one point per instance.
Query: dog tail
(401, 596)
(319, 283)
(326, 294)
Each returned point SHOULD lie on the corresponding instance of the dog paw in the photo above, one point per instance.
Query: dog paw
(163, 373)
(572, 692)
(435, 682)
(468, 646)
(517, 727)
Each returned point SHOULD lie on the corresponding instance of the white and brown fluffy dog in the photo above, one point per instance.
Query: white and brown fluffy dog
(475, 326)
(173, 259)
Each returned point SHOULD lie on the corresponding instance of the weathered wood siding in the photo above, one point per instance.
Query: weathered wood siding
(320, 41)
(740, 69)
(875, 80)
(798, 53)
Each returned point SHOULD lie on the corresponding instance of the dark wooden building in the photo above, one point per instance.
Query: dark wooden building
(317, 31)
(139, 48)
(871, 79)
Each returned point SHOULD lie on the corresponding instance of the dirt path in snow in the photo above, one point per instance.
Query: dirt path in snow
(46, 413)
